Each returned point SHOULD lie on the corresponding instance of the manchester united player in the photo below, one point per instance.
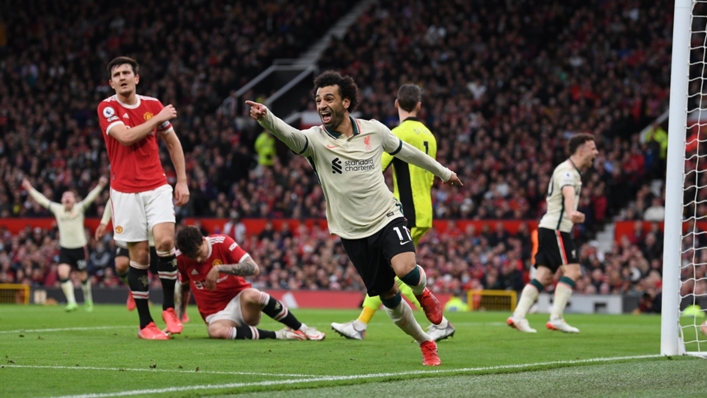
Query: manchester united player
(141, 196)
(214, 268)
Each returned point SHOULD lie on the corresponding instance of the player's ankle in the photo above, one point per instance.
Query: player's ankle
(359, 326)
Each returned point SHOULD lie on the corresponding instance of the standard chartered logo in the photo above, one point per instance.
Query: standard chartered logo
(336, 166)
(352, 165)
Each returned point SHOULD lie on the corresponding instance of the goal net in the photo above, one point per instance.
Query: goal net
(684, 308)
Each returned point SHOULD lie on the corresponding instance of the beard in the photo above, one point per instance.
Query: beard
(337, 116)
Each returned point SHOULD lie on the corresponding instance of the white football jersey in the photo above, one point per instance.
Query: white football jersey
(557, 217)
(358, 202)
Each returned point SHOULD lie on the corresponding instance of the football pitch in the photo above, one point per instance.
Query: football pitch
(48, 353)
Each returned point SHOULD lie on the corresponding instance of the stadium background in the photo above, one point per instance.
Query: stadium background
(505, 85)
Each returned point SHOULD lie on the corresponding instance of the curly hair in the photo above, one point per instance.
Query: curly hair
(189, 240)
(347, 86)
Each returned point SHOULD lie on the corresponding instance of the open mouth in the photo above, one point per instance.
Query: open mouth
(123, 85)
(326, 116)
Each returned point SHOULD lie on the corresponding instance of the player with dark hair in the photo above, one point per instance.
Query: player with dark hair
(214, 267)
(556, 248)
(72, 239)
(345, 153)
(141, 196)
(412, 186)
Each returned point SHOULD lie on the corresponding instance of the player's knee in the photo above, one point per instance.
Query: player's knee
(573, 271)
(251, 296)
(122, 264)
(390, 293)
(217, 331)
(164, 243)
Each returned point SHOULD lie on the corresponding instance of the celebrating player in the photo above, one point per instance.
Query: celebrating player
(141, 196)
(72, 239)
(556, 249)
(214, 268)
(345, 154)
(411, 186)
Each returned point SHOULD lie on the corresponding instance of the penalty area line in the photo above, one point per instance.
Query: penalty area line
(356, 377)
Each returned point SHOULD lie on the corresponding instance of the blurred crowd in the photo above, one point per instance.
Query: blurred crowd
(505, 85)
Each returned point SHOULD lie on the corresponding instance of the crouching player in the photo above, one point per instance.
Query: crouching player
(214, 267)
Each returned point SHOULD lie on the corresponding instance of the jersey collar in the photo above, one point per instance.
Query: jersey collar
(575, 167)
(128, 106)
(335, 134)
(410, 118)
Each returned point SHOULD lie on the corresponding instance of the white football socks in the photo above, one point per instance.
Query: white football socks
(402, 316)
(68, 289)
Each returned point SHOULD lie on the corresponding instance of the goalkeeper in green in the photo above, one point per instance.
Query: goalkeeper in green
(411, 186)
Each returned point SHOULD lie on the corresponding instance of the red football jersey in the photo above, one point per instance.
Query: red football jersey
(223, 250)
(134, 168)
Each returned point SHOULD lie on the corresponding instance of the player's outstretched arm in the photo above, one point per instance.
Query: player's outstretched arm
(416, 157)
(102, 182)
(247, 267)
(128, 136)
(37, 196)
(295, 139)
(176, 153)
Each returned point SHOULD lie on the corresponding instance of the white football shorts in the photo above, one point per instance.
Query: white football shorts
(135, 214)
(232, 312)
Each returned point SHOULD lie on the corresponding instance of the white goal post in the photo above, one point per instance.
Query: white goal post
(684, 257)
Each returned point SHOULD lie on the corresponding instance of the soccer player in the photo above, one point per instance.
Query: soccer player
(345, 154)
(214, 268)
(141, 196)
(72, 239)
(556, 249)
(411, 186)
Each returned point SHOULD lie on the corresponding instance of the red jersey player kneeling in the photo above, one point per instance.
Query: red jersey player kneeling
(214, 267)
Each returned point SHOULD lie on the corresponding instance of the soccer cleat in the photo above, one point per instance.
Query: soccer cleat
(431, 306)
(174, 325)
(88, 305)
(429, 354)
(289, 334)
(185, 318)
(71, 307)
(521, 325)
(312, 333)
(348, 330)
(561, 325)
(151, 332)
(704, 327)
(437, 333)
(131, 302)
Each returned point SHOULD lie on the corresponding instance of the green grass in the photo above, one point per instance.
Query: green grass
(103, 356)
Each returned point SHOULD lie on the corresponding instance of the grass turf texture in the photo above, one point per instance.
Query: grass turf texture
(102, 355)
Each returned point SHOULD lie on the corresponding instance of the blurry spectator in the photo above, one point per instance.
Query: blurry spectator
(235, 228)
(656, 212)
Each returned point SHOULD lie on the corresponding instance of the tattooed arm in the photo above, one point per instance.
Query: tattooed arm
(247, 267)
(182, 293)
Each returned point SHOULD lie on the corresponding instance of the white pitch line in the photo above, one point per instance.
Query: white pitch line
(191, 372)
(354, 377)
(63, 329)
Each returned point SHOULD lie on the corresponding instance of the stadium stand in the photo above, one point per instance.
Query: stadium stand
(505, 86)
